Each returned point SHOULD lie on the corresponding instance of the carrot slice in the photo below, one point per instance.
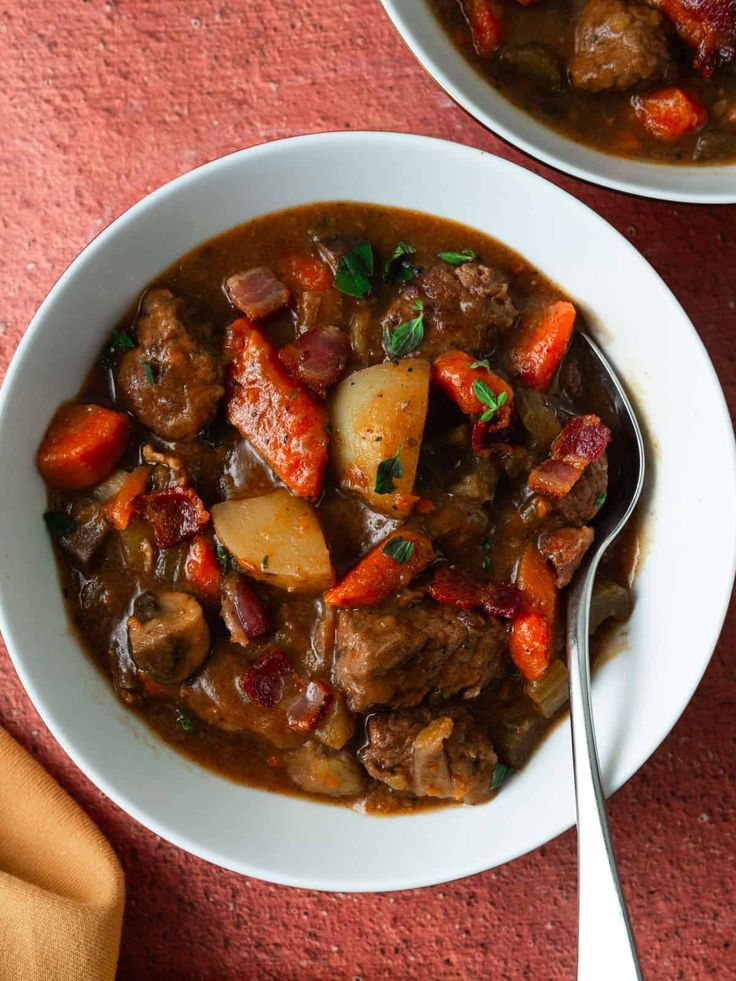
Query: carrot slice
(386, 569)
(454, 373)
(541, 344)
(486, 26)
(202, 569)
(82, 446)
(537, 582)
(530, 645)
(285, 424)
(307, 272)
(119, 509)
(669, 113)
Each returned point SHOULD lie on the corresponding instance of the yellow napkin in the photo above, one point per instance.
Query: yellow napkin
(61, 885)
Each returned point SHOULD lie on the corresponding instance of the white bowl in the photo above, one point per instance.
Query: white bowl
(425, 37)
(690, 512)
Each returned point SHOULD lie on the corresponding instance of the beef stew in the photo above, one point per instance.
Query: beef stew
(648, 79)
(316, 506)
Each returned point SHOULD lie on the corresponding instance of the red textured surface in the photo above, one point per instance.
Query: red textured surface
(104, 101)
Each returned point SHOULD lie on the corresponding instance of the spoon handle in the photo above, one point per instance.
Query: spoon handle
(606, 948)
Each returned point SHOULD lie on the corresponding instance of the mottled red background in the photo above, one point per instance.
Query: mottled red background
(104, 101)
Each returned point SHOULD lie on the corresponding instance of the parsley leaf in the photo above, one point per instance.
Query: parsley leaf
(601, 500)
(483, 363)
(407, 337)
(264, 562)
(184, 721)
(457, 258)
(355, 271)
(488, 397)
(500, 772)
(398, 549)
(388, 471)
(120, 340)
(58, 523)
(148, 368)
(223, 558)
(397, 269)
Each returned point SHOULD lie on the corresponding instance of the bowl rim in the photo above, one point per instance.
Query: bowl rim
(79, 754)
(642, 180)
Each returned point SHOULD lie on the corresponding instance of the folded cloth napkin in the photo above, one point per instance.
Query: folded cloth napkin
(61, 885)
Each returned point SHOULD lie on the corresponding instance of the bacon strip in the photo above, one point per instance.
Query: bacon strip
(453, 587)
(256, 292)
(317, 359)
(708, 26)
(175, 514)
(583, 440)
(264, 681)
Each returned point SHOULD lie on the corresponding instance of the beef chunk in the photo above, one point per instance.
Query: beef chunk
(173, 380)
(218, 697)
(582, 503)
(565, 549)
(320, 771)
(396, 656)
(464, 306)
(431, 752)
(168, 636)
(618, 45)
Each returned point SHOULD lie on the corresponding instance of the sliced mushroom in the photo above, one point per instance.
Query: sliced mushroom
(168, 636)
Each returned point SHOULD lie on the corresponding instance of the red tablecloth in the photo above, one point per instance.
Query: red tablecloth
(101, 103)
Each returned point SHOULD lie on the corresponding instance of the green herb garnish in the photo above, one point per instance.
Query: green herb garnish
(58, 523)
(355, 271)
(484, 363)
(457, 258)
(397, 268)
(207, 436)
(486, 548)
(398, 549)
(223, 558)
(407, 337)
(120, 340)
(264, 562)
(488, 397)
(148, 368)
(184, 721)
(601, 500)
(388, 471)
(500, 772)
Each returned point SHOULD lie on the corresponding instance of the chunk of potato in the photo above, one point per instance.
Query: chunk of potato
(276, 538)
(373, 413)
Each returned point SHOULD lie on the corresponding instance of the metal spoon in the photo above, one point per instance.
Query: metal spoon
(606, 947)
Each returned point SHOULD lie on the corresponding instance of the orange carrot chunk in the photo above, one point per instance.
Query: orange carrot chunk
(536, 581)
(530, 645)
(284, 422)
(486, 25)
(386, 569)
(307, 273)
(669, 113)
(456, 373)
(202, 569)
(119, 509)
(541, 344)
(82, 446)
